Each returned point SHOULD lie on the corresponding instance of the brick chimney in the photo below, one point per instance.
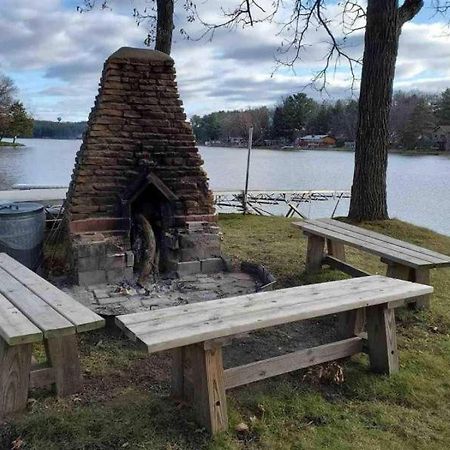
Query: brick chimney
(139, 156)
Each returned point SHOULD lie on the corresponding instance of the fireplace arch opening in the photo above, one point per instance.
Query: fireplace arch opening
(150, 205)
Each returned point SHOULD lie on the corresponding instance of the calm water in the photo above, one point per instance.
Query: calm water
(418, 186)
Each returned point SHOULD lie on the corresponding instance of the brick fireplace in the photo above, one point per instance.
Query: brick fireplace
(139, 159)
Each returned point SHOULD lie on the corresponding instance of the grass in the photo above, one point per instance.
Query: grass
(10, 144)
(124, 403)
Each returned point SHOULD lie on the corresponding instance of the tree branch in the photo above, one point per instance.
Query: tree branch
(408, 10)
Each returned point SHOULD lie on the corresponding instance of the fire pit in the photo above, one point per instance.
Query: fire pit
(139, 201)
(126, 297)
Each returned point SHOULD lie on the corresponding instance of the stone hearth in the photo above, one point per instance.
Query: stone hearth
(139, 158)
(111, 300)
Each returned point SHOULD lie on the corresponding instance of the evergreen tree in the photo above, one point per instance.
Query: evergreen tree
(419, 126)
(321, 122)
(443, 108)
(297, 111)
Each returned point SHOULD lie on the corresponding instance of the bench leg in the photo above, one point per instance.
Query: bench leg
(15, 365)
(351, 323)
(62, 355)
(422, 276)
(314, 253)
(382, 339)
(336, 249)
(198, 378)
(398, 271)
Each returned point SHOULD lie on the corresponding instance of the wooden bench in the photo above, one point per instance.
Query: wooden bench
(32, 311)
(197, 332)
(405, 261)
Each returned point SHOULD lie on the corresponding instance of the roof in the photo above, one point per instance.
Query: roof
(315, 137)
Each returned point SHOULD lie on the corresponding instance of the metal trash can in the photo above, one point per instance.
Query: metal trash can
(22, 227)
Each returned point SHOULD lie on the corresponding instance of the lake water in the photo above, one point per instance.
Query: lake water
(418, 185)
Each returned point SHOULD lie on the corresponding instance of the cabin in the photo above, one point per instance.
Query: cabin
(237, 141)
(317, 141)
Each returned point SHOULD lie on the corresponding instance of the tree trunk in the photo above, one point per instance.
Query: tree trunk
(368, 200)
(164, 25)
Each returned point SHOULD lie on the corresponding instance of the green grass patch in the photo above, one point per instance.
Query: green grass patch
(125, 403)
(10, 144)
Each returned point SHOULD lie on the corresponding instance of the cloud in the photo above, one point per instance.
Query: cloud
(56, 55)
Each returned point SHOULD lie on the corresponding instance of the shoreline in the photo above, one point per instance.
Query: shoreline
(337, 149)
(10, 144)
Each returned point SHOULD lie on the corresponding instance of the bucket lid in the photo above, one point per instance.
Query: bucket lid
(18, 208)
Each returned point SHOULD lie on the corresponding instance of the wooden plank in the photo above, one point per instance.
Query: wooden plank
(15, 362)
(369, 243)
(43, 377)
(336, 249)
(15, 328)
(62, 355)
(81, 317)
(45, 196)
(245, 319)
(398, 271)
(422, 276)
(388, 239)
(280, 296)
(351, 323)
(344, 267)
(177, 385)
(208, 388)
(356, 242)
(360, 234)
(382, 339)
(314, 253)
(49, 321)
(257, 303)
(237, 376)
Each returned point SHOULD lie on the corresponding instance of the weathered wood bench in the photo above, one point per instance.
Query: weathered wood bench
(33, 311)
(405, 261)
(197, 332)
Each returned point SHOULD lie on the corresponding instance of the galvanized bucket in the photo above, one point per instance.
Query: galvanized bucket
(22, 227)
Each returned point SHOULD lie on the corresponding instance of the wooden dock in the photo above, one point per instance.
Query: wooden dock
(45, 196)
(256, 201)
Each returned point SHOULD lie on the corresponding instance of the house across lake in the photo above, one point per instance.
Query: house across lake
(316, 141)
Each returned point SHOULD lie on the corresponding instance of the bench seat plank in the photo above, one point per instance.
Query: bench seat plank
(377, 249)
(393, 249)
(81, 317)
(221, 322)
(49, 321)
(15, 328)
(439, 257)
(260, 300)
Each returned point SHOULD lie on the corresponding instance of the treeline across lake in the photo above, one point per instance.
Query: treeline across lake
(45, 129)
(414, 119)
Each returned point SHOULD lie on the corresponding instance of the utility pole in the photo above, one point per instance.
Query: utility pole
(250, 140)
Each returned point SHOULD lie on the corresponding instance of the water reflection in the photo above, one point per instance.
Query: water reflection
(418, 186)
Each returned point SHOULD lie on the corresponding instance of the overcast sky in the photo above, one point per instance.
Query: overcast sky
(55, 56)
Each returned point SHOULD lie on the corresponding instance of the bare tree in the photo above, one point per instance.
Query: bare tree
(382, 22)
(157, 17)
(7, 92)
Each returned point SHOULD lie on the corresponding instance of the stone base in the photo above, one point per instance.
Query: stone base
(112, 299)
(99, 259)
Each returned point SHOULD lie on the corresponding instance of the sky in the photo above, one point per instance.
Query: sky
(55, 56)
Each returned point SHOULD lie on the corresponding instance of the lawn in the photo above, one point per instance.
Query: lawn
(10, 144)
(125, 405)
